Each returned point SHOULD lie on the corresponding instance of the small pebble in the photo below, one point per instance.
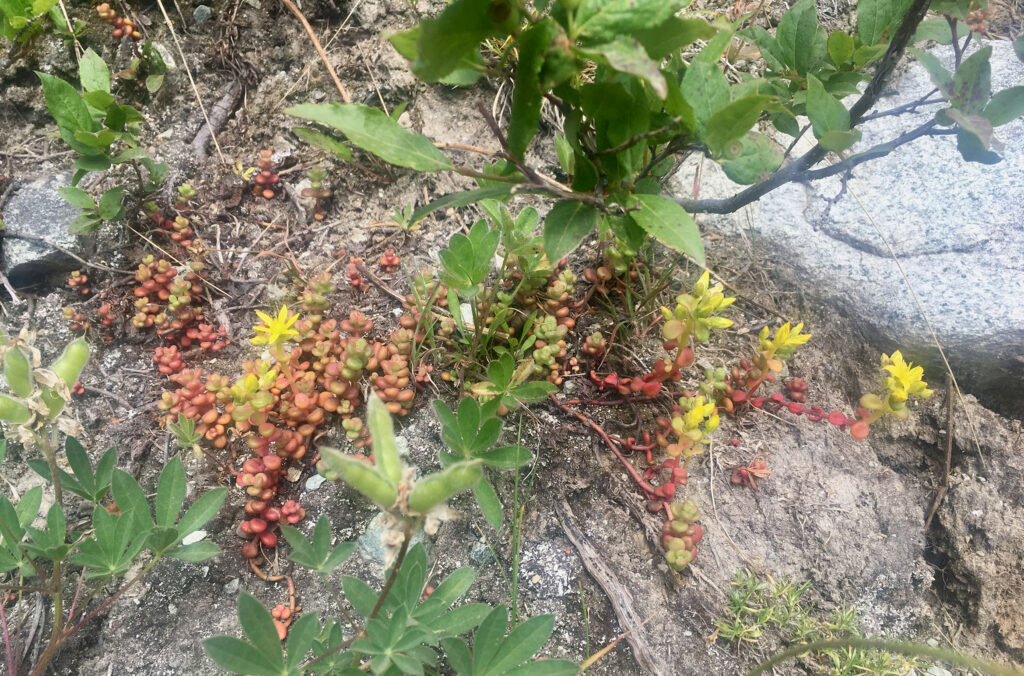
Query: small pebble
(232, 586)
(535, 579)
(201, 14)
(316, 481)
(196, 536)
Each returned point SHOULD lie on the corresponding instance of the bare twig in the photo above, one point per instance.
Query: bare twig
(319, 50)
(219, 114)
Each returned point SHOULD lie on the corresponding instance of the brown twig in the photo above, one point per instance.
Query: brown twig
(619, 596)
(320, 50)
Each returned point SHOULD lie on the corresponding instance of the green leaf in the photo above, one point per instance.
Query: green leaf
(154, 82)
(65, 104)
(668, 223)
(110, 204)
(802, 43)
(300, 638)
(672, 35)
(239, 657)
(445, 40)
(566, 225)
(840, 47)
(129, 497)
(1018, 48)
(877, 19)
(463, 199)
(27, 508)
(162, 538)
(972, 82)
(533, 391)
(940, 77)
(458, 655)
(1006, 106)
(93, 72)
(488, 638)
(324, 142)
(521, 644)
(507, 457)
(733, 121)
(489, 503)
(196, 551)
(78, 459)
(372, 130)
(77, 197)
(838, 141)
(359, 594)
(705, 88)
(760, 157)
(526, 94)
(258, 625)
(201, 511)
(627, 55)
(938, 30)
(382, 430)
(603, 20)
(824, 110)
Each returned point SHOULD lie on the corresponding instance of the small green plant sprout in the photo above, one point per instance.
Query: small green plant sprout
(693, 317)
(184, 431)
(22, 20)
(903, 382)
(507, 383)
(185, 193)
(147, 69)
(763, 607)
(317, 191)
(471, 432)
(467, 260)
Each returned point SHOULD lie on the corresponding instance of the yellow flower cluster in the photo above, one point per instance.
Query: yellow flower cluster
(694, 312)
(904, 380)
(783, 344)
(275, 330)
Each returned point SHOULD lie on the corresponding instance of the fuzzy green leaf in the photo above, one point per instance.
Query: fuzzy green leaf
(170, 493)
(490, 504)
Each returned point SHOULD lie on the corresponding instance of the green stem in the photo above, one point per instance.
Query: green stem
(47, 446)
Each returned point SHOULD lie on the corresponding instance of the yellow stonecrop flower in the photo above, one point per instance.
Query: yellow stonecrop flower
(783, 344)
(694, 312)
(904, 379)
(275, 330)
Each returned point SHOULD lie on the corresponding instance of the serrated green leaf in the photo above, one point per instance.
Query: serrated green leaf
(705, 88)
(445, 40)
(93, 72)
(668, 223)
(565, 226)
(526, 93)
(373, 131)
(626, 55)
(672, 35)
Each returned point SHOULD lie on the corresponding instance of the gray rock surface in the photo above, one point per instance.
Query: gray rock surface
(956, 227)
(36, 209)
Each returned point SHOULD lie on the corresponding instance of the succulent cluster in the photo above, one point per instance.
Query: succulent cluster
(266, 178)
(772, 353)
(79, 282)
(681, 534)
(317, 190)
(122, 25)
